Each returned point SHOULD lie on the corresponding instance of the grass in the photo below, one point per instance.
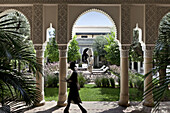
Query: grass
(91, 93)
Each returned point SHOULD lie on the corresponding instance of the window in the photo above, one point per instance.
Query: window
(83, 36)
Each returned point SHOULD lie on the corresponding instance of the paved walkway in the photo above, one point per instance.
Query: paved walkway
(98, 107)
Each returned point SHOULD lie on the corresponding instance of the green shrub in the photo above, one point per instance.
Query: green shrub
(51, 81)
(112, 82)
(105, 82)
(98, 81)
(81, 80)
(136, 80)
(115, 70)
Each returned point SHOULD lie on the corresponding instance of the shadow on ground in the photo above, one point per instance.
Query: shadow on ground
(118, 109)
(49, 110)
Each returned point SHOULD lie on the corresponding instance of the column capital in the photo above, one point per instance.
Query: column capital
(63, 51)
(124, 51)
(148, 51)
(124, 46)
(62, 47)
(39, 50)
(148, 47)
(38, 47)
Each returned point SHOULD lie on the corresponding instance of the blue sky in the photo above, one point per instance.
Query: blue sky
(94, 19)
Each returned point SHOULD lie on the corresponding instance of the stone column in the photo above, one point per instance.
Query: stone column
(39, 76)
(148, 99)
(124, 85)
(62, 97)
(132, 65)
(139, 63)
(97, 61)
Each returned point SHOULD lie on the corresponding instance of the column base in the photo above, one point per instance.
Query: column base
(61, 104)
(40, 103)
(124, 100)
(122, 103)
(148, 104)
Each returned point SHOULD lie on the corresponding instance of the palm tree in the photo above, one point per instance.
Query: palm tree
(16, 85)
(161, 61)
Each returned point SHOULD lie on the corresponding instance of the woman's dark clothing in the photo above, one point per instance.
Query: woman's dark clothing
(73, 94)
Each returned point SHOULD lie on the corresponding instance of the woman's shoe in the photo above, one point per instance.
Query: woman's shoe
(84, 111)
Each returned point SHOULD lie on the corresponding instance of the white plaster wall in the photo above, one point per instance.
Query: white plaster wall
(50, 16)
(138, 16)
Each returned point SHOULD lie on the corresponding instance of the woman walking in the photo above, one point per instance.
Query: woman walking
(73, 96)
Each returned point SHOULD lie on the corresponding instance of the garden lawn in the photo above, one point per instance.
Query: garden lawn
(91, 93)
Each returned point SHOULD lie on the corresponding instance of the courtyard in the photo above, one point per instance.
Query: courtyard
(125, 61)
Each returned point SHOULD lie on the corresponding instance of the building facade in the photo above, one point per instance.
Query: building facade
(86, 36)
(63, 14)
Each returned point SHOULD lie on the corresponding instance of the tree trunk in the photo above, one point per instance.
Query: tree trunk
(162, 74)
(19, 66)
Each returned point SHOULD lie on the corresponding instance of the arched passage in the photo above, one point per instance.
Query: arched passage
(19, 47)
(114, 28)
(98, 24)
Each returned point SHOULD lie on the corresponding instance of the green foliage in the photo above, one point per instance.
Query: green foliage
(161, 61)
(21, 23)
(112, 82)
(81, 80)
(91, 93)
(105, 82)
(51, 51)
(135, 52)
(52, 81)
(99, 44)
(98, 82)
(73, 50)
(112, 49)
(115, 70)
(15, 85)
(162, 48)
(136, 80)
(51, 75)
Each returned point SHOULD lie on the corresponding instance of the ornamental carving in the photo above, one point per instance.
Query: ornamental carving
(85, 1)
(38, 47)
(62, 24)
(124, 53)
(25, 10)
(125, 25)
(148, 53)
(38, 24)
(151, 24)
(39, 54)
(62, 47)
(63, 53)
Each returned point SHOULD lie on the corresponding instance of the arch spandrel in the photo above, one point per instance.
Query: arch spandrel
(125, 25)
(62, 24)
(77, 11)
(38, 24)
(150, 24)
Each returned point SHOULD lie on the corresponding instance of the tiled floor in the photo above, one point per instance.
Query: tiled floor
(98, 107)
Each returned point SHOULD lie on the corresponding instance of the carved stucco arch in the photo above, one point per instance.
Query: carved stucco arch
(97, 10)
(24, 11)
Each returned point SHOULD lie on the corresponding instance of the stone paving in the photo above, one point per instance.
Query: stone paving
(98, 107)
